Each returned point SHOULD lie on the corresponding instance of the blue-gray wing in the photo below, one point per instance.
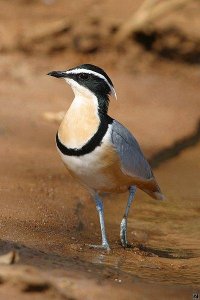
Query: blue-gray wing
(133, 162)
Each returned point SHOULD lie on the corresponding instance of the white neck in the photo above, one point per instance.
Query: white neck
(81, 120)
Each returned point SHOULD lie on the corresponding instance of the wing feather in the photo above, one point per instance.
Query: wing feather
(133, 162)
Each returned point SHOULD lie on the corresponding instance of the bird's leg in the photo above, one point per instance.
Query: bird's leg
(99, 207)
(123, 226)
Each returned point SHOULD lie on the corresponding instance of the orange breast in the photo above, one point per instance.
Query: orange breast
(79, 124)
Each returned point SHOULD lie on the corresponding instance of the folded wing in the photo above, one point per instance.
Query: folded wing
(133, 162)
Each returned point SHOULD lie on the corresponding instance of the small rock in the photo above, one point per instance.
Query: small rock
(9, 258)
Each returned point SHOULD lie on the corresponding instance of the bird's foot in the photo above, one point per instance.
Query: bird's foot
(123, 231)
(104, 246)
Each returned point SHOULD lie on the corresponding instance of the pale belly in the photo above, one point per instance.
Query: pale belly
(99, 170)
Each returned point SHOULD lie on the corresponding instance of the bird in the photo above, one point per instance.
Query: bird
(99, 151)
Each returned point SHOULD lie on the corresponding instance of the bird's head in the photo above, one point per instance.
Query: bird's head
(86, 79)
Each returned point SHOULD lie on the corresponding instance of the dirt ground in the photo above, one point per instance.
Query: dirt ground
(47, 217)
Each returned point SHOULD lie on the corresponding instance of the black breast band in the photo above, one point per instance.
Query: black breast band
(91, 144)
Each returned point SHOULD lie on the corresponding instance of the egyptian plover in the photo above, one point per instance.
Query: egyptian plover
(96, 149)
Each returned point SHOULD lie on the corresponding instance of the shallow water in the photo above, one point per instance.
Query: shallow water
(164, 236)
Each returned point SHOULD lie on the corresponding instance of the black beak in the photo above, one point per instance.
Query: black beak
(58, 74)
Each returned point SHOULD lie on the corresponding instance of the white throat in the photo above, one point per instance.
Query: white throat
(79, 90)
(81, 120)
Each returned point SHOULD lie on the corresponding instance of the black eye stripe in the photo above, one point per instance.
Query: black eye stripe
(84, 76)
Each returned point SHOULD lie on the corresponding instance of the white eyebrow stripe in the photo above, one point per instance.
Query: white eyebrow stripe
(78, 71)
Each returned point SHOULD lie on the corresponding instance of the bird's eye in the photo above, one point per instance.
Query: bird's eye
(84, 76)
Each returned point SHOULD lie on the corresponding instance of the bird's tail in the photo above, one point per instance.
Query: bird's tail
(152, 188)
(159, 196)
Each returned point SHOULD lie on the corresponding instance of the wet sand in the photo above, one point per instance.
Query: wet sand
(50, 220)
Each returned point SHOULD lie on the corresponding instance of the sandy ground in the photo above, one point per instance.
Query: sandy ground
(49, 219)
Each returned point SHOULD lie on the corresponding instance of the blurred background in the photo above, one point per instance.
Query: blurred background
(151, 51)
